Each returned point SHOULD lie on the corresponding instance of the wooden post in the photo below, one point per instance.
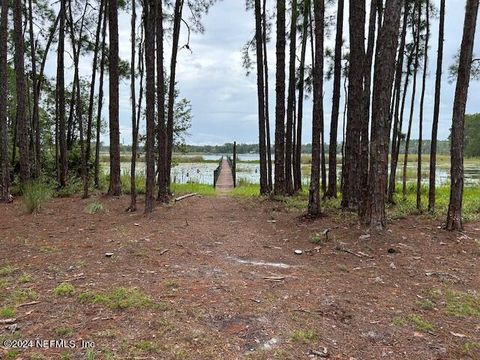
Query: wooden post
(234, 170)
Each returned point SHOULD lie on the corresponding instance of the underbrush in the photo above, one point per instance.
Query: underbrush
(35, 194)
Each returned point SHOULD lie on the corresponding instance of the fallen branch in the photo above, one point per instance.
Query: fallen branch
(29, 303)
(180, 198)
(274, 278)
(7, 321)
(164, 251)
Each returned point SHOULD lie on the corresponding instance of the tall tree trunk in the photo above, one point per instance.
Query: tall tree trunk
(115, 188)
(337, 78)
(162, 168)
(150, 105)
(267, 102)
(22, 121)
(351, 190)
(92, 98)
(301, 94)
(133, 164)
(171, 89)
(397, 118)
(100, 100)
(291, 100)
(414, 92)
(35, 117)
(384, 72)
(4, 165)
(76, 49)
(279, 185)
(422, 102)
(436, 110)
(364, 141)
(314, 208)
(261, 99)
(454, 216)
(62, 140)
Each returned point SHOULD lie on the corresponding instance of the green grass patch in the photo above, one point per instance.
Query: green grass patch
(460, 304)
(200, 189)
(119, 299)
(426, 304)
(11, 354)
(416, 321)
(471, 347)
(64, 331)
(35, 194)
(64, 289)
(22, 296)
(303, 336)
(25, 279)
(7, 270)
(145, 346)
(7, 313)
(95, 208)
(246, 191)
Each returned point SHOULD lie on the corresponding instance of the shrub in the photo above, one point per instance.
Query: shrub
(35, 194)
(64, 289)
(95, 208)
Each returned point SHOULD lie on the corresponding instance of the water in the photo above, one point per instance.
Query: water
(203, 172)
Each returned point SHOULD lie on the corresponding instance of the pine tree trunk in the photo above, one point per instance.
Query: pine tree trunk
(4, 165)
(364, 141)
(454, 216)
(100, 99)
(397, 115)
(291, 100)
(133, 164)
(422, 102)
(62, 140)
(35, 116)
(150, 103)
(301, 94)
(163, 178)
(22, 121)
(92, 99)
(115, 188)
(171, 89)
(337, 78)
(351, 190)
(314, 208)
(384, 72)
(279, 185)
(261, 99)
(267, 102)
(414, 92)
(436, 110)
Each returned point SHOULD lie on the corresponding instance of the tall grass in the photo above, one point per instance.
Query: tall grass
(35, 194)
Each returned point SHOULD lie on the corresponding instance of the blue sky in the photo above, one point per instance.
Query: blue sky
(224, 99)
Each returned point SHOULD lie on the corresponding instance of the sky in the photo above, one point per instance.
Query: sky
(224, 99)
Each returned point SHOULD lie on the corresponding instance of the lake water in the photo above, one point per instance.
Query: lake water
(203, 172)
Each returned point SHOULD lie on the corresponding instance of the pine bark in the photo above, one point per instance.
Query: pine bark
(150, 103)
(351, 186)
(414, 92)
(4, 164)
(163, 186)
(454, 216)
(436, 110)
(171, 89)
(291, 101)
(384, 72)
(92, 98)
(100, 99)
(337, 78)
(133, 164)
(267, 102)
(21, 90)
(261, 99)
(422, 102)
(314, 199)
(279, 185)
(297, 174)
(115, 188)
(62, 136)
(397, 114)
